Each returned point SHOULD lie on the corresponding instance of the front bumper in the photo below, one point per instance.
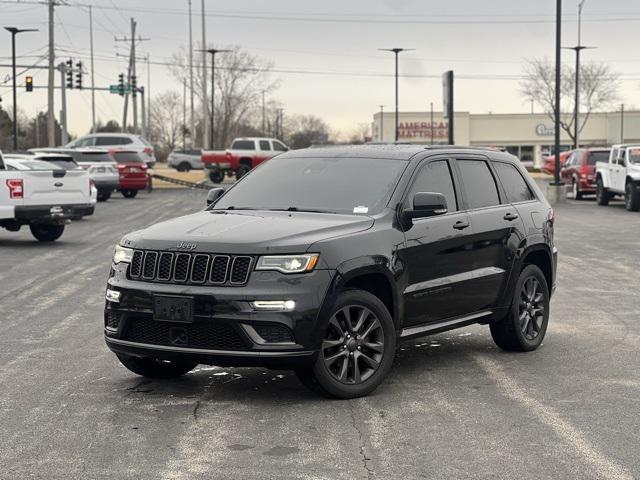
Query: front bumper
(105, 185)
(133, 183)
(226, 330)
(51, 213)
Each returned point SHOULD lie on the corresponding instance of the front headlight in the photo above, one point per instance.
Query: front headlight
(122, 254)
(289, 263)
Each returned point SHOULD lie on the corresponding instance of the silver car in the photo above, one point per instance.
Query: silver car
(185, 160)
(117, 140)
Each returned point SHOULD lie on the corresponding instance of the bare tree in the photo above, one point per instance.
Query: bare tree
(167, 127)
(360, 134)
(240, 80)
(306, 130)
(599, 87)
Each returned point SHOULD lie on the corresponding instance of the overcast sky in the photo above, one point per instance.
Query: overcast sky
(332, 47)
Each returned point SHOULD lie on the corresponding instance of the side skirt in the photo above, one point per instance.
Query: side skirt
(443, 326)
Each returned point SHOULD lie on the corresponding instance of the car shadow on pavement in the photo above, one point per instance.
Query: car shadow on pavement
(438, 355)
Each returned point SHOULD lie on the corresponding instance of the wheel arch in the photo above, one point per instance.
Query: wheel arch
(247, 161)
(541, 256)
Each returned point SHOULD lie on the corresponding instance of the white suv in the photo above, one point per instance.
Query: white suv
(116, 140)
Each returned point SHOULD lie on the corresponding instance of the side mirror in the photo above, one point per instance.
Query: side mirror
(427, 204)
(214, 194)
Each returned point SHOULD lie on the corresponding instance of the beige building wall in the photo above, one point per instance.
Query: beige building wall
(530, 136)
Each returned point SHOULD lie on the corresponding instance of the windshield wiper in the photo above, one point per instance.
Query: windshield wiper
(296, 209)
(232, 207)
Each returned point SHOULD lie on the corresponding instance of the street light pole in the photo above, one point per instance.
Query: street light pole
(396, 51)
(556, 173)
(14, 31)
(578, 48)
(381, 123)
(213, 52)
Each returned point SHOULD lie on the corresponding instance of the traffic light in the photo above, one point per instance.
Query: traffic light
(28, 83)
(134, 86)
(79, 76)
(121, 84)
(69, 72)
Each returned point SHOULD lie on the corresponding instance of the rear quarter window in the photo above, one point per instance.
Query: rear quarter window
(513, 183)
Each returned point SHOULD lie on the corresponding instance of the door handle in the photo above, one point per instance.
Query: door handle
(510, 217)
(460, 225)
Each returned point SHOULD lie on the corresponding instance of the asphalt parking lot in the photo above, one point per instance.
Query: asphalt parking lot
(454, 405)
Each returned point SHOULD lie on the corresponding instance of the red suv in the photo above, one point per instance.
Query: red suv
(579, 171)
(132, 170)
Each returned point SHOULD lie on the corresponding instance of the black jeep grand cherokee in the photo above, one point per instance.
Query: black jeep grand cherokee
(321, 260)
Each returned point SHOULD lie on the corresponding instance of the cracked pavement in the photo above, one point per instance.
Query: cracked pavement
(454, 406)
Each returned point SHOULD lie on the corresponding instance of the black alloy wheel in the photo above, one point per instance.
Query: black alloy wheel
(354, 344)
(531, 308)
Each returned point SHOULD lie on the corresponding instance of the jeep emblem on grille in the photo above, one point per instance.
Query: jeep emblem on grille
(179, 336)
(187, 246)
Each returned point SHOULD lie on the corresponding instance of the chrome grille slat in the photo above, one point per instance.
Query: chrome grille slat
(190, 268)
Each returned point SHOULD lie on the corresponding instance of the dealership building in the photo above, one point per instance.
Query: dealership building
(529, 136)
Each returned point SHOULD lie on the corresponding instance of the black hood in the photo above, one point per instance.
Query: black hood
(246, 232)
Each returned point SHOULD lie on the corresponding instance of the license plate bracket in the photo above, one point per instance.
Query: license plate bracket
(173, 308)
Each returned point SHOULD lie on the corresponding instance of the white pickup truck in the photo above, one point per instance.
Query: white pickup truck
(620, 176)
(43, 196)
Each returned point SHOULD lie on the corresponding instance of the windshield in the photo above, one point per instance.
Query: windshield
(597, 157)
(634, 155)
(336, 185)
(33, 165)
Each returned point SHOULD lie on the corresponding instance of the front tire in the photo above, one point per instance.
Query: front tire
(45, 232)
(602, 194)
(357, 348)
(104, 195)
(153, 368)
(525, 325)
(216, 176)
(129, 193)
(631, 197)
(184, 167)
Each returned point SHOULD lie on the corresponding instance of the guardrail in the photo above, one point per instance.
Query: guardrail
(177, 181)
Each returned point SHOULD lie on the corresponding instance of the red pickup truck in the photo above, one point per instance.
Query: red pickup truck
(244, 154)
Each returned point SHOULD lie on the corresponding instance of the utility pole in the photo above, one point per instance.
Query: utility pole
(93, 95)
(213, 52)
(381, 136)
(63, 101)
(143, 114)
(263, 114)
(184, 114)
(578, 48)
(205, 113)
(51, 137)
(148, 97)
(556, 174)
(14, 31)
(131, 72)
(396, 51)
(622, 123)
(192, 120)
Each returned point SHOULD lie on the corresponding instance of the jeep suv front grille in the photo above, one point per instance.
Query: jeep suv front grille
(190, 268)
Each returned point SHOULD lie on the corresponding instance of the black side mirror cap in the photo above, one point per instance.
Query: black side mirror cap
(427, 204)
(214, 194)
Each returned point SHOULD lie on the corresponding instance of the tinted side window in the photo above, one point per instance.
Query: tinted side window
(514, 185)
(279, 147)
(435, 177)
(479, 185)
(102, 141)
(243, 145)
(264, 145)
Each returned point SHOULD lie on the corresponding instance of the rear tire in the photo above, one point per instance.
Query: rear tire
(46, 232)
(153, 368)
(242, 171)
(357, 348)
(631, 197)
(216, 176)
(103, 196)
(525, 325)
(575, 188)
(602, 194)
(129, 193)
(184, 167)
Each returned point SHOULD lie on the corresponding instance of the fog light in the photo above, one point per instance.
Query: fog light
(113, 295)
(274, 305)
